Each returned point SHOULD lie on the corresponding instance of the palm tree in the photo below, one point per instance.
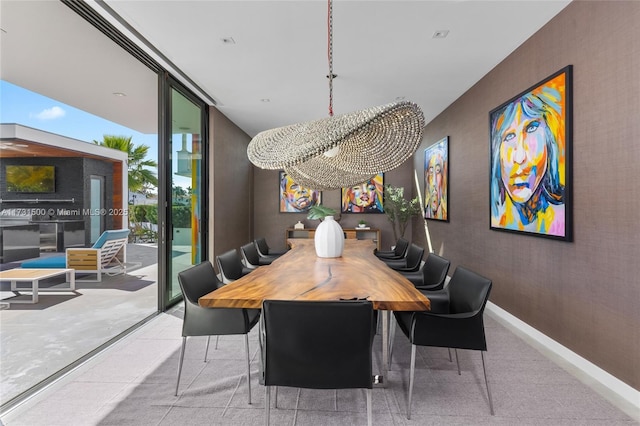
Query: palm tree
(141, 179)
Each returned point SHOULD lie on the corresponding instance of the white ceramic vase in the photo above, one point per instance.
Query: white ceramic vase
(329, 238)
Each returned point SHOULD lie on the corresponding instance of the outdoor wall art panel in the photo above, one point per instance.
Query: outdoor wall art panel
(364, 198)
(530, 180)
(295, 198)
(436, 180)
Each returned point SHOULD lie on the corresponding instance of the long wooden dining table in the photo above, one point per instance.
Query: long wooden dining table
(301, 275)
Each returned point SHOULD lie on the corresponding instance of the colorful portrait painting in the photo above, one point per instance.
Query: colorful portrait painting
(436, 180)
(365, 197)
(530, 160)
(295, 198)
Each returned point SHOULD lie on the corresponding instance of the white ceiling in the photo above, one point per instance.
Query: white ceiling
(49, 49)
(382, 51)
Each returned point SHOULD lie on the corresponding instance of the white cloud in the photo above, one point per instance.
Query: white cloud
(50, 113)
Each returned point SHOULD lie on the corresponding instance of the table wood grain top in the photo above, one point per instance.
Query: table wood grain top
(301, 275)
(30, 274)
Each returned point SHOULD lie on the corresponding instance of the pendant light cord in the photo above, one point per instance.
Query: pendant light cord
(330, 55)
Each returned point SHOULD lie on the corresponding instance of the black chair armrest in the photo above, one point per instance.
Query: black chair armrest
(463, 331)
(416, 277)
(405, 269)
(388, 255)
(396, 263)
(439, 300)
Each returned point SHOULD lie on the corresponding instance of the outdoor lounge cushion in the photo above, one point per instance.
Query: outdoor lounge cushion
(60, 261)
(114, 234)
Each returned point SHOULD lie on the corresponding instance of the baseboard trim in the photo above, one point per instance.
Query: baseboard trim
(613, 384)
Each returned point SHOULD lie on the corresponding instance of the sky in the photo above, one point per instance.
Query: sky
(30, 109)
(21, 106)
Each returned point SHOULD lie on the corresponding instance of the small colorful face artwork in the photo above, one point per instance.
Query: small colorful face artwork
(294, 197)
(434, 181)
(435, 177)
(365, 197)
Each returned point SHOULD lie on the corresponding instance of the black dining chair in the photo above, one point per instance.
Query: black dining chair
(251, 258)
(231, 267)
(432, 274)
(305, 344)
(195, 282)
(462, 327)
(264, 249)
(399, 251)
(428, 279)
(410, 263)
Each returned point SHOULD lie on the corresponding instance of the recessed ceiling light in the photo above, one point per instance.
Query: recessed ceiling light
(119, 94)
(441, 34)
(228, 40)
(399, 98)
(265, 100)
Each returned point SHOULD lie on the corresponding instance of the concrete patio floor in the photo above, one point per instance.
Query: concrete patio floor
(38, 340)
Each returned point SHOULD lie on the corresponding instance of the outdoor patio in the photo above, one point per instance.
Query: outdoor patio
(38, 340)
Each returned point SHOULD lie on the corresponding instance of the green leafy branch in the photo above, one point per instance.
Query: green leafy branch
(320, 212)
(399, 210)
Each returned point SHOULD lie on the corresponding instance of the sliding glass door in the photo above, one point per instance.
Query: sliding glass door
(185, 241)
(147, 175)
(80, 105)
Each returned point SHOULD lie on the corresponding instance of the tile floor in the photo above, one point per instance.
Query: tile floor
(133, 383)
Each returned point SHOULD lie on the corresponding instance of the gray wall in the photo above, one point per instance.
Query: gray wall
(271, 224)
(230, 186)
(584, 294)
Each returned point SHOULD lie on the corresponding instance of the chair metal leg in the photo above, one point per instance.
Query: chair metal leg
(184, 344)
(276, 398)
(217, 338)
(335, 401)
(450, 359)
(261, 337)
(486, 381)
(246, 348)
(457, 362)
(411, 374)
(384, 314)
(206, 351)
(392, 336)
(267, 404)
(369, 409)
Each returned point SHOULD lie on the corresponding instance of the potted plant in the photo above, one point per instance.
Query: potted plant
(362, 223)
(320, 212)
(399, 210)
(329, 236)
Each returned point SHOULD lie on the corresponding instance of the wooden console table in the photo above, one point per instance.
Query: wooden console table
(349, 234)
